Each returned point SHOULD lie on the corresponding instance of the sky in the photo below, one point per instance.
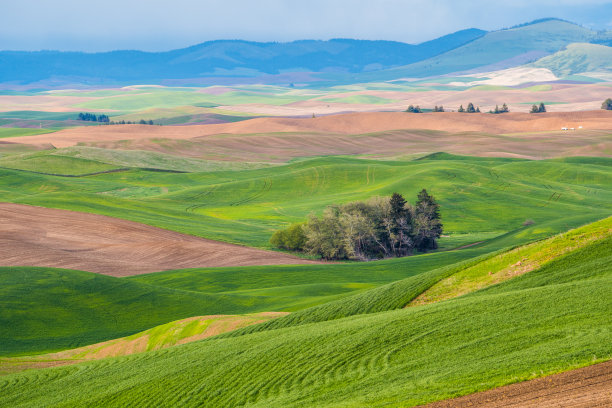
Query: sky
(156, 25)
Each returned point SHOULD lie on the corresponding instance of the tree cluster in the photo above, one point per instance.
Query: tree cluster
(381, 227)
(538, 109)
(470, 108)
(414, 109)
(607, 104)
(438, 108)
(123, 122)
(90, 117)
(503, 109)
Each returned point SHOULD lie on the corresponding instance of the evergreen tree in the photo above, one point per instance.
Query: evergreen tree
(398, 205)
(534, 109)
(427, 225)
(496, 109)
(607, 104)
(478, 109)
(440, 108)
(504, 108)
(541, 108)
(470, 108)
(461, 109)
(150, 122)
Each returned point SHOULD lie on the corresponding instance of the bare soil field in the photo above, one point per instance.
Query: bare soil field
(587, 387)
(344, 124)
(35, 236)
(281, 147)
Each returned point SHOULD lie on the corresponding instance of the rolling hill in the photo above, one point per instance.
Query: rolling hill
(551, 319)
(305, 61)
(578, 58)
(247, 206)
(231, 58)
(496, 50)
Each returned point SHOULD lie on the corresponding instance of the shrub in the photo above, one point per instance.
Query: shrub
(292, 238)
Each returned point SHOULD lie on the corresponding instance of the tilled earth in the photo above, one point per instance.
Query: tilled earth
(587, 387)
(35, 236)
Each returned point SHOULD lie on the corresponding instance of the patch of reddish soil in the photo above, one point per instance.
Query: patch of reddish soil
(587, 387)
(35, 236)
(343, 124)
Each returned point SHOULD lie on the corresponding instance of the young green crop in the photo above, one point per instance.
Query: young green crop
(476, 195)
(554, 320)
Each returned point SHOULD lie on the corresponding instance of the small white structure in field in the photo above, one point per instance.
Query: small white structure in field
(572, 128)
(563, 128)
(580, 127)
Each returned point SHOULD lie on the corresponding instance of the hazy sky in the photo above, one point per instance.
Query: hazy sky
(155, 25)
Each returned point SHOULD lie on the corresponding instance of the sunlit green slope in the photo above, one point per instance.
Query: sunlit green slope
(578, 58)
(476, 195)
(551, 319)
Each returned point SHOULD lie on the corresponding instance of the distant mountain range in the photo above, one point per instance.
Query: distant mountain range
(341, 60)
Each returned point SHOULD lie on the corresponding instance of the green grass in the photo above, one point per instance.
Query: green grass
(476, 195)
(47, 309)
(39, 115)
(165, 98)
(159, 337)
(152, 160)
(577, 58)
(538, 88)
(509, 264)
(41, 162)
(489, 88)
(549, 320)
(14, 132)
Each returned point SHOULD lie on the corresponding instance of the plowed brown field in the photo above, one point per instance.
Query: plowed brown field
(587, 387)
(344, 124)
(35, 236)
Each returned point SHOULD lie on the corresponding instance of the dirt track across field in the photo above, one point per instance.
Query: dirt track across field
(35, 236)
(343, 124)
(587, 387)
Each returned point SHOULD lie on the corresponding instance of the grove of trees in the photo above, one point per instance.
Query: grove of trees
(538, 109)
(607, 104)
(503, 109)
(381, 227)
(90, 117)
(414, 109)
(470, 109)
